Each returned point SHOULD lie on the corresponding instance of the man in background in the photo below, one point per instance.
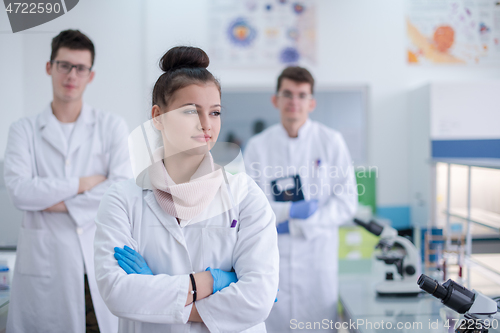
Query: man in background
(58, 164)
(306, 172)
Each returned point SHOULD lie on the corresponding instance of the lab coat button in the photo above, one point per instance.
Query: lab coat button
(79, 230)
(67, 162)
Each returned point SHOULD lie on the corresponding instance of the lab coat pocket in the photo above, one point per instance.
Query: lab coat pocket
(218, 246)
(34, 253)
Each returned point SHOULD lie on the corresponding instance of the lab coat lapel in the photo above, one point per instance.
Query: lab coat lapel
(83, 128)
(168, 221)
(51, 131)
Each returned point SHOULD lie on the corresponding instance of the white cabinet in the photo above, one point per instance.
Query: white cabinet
(449, 121)
(455, 164)
(468, 195)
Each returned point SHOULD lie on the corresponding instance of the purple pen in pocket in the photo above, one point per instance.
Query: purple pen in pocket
(233, 224)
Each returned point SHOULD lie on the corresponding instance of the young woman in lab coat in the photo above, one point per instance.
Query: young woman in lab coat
(153, 242)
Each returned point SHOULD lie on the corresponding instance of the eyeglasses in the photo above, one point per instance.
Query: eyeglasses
(65, 67)
(289, 96)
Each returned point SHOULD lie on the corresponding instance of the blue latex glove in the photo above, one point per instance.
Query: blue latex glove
(303, 209)
(131, 261)
(283, 228)
(222, 279)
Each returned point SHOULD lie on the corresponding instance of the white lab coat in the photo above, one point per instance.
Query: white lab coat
(308, 255)
(131, 216)
(41, 170)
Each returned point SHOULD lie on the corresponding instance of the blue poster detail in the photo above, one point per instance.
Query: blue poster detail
(289, 55)
(241, 33)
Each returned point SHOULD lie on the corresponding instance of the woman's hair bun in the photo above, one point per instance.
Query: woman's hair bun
(184, 57)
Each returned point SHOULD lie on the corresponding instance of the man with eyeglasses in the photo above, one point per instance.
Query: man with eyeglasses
(306, 172)
(58, 165)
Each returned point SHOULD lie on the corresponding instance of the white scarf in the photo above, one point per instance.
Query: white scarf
(185, 201)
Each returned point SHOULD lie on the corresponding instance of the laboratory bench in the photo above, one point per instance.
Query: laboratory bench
(358, 299)
(7, 258)
(360, 304)
(4, 306)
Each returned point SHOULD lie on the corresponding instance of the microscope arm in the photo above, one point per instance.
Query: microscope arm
(411, 264)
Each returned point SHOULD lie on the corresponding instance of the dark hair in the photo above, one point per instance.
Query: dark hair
(297, 74)
(74, 40)
(182, 66)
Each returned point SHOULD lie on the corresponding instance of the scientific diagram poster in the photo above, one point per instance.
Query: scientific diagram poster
(453, 32)
(262, 33)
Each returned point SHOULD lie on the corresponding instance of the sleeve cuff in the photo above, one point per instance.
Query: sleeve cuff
(206, 316)
(72, 204)
(308, 228)
(186, 313)
(80, 214)
(182, 294)
(295, 227)
(75, 184)
(282, 211)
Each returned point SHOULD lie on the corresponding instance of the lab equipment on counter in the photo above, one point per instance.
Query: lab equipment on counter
(480, 312)
(4, 277)
(398, 251)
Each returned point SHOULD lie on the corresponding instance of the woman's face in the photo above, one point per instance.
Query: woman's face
(191, 122)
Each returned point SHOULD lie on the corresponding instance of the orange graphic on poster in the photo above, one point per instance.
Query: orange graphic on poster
(241, 32)
(412, 57)
(444, 36)
(430, 49)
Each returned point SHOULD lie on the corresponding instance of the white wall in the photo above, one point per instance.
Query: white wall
(11, 79)
(115, 27)
(359, 41)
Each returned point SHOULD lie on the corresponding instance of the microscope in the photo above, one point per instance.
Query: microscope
(480, 311)
(398, 251)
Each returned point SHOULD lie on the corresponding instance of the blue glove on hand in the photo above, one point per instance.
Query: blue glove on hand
(222, 279)
(283, 228)
(303, 209)
(131, 262)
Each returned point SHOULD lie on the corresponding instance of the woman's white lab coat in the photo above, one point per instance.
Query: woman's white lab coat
(131, 216)
(41, 170)
(309, 254)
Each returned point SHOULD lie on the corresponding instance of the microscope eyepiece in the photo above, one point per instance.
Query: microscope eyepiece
(431, 286)
(451, 294)
(371, 226)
